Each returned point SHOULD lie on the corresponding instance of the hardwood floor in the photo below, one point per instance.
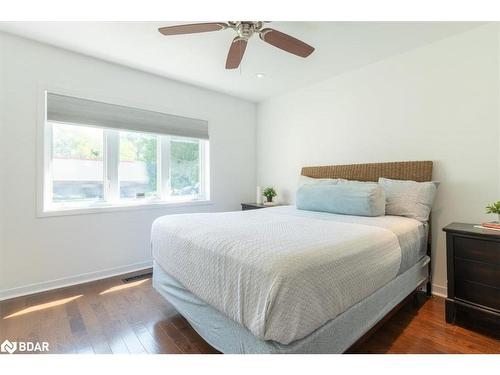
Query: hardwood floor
(109, 316)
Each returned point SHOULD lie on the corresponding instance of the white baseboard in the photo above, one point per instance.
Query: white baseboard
(439, 290)
(72, 280)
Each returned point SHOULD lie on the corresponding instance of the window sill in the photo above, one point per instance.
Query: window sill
(128, 206)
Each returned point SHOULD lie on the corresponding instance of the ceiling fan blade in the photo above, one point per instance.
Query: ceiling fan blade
(286, 42)
(236, 52)
(192, 28)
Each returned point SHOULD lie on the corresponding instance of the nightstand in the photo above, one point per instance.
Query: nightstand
(473, 267)
(254, 206)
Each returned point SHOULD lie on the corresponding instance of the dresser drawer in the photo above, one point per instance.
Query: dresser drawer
(476, 249)
(484, 273)
(481, 294)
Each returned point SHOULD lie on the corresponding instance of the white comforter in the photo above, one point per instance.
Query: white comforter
(278, 272)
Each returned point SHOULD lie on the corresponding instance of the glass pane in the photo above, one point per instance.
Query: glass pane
(77, 163)
(185, 167)
(138, 165)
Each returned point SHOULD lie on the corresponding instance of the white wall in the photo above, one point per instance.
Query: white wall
(438, 102)
(37, 253)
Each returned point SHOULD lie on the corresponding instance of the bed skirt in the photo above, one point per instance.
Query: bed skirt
(335, 336)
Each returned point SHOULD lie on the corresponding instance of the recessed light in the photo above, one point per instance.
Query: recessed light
(260, 75)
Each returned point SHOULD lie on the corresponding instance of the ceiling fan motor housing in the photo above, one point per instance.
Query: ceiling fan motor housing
(246, 29)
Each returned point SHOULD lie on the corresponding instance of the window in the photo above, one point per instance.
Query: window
(77, 164)
(184, 167)
(91, 166)
(79, 169)
(138, 170)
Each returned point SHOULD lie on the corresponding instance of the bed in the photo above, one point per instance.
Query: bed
(283, 280)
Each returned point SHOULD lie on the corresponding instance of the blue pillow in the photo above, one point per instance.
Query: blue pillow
(360, 199)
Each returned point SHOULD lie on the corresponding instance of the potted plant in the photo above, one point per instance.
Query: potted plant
(494, 208)
(269, 193)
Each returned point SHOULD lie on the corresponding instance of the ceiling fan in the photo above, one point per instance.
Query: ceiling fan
(244, 29)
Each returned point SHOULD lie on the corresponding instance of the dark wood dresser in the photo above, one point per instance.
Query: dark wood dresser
(473, 267)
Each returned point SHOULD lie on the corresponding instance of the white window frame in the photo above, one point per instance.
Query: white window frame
(112, 202)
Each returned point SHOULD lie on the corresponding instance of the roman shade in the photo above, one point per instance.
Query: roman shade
(61, 108)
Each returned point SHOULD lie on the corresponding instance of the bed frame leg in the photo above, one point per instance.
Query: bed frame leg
(428, 289)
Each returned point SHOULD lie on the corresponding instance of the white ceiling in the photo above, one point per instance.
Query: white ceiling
(199, 59)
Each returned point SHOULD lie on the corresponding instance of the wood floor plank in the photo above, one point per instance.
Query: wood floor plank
(92, 324)
(109, 316)
(147, 340)
(179, 339)
(118, 310)
(166, 343)
(110, 328)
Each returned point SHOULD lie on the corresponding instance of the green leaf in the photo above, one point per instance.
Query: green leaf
(493, 208)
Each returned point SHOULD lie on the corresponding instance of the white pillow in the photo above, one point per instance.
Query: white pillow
(408, 198)
(304, 180)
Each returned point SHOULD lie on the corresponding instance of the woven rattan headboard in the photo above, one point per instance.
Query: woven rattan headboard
(401, 170)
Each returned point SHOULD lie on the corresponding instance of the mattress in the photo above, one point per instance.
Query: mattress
(280, 272)
(412, 234)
